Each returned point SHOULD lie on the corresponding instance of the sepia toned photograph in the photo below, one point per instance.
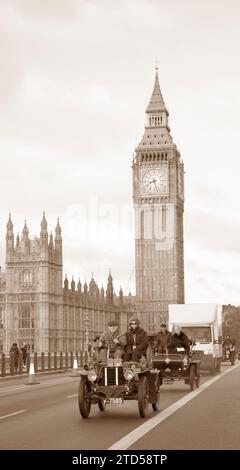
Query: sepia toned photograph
(119, 230)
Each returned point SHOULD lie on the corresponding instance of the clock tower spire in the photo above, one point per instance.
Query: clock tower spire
(159, 205)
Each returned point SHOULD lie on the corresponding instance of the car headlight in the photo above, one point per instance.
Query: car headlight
(128, 374)
(92, 375)
(185, 360)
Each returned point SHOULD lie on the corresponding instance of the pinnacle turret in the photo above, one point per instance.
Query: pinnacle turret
(9, 239)
(44, 236)
(73, 285)
(51, 244)
(9, 224)
(44, 223)
(109, 291)
(58, 231)
(66, 283)
(25, 231)
(79, 286)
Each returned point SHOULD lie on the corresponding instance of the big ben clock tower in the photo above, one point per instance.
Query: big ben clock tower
(158, 195)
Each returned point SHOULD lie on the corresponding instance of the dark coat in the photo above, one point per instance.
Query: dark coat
(229, 342)
(179, 341)
(15, 352)
(107, 340)
(139, 339)
(162, 341)
(24, 353)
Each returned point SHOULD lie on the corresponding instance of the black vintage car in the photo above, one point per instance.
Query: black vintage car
(178, 366)
(116, 381)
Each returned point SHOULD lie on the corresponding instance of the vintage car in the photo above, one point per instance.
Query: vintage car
(178, 366)
(116, 381)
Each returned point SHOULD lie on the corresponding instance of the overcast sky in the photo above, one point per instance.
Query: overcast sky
(76, 77)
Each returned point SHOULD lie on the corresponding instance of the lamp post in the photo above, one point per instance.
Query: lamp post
(86, 330)
(152, 324)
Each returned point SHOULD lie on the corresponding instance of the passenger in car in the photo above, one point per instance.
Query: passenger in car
(136, 341)
(162, 339)
(178, 340)
(111, 343)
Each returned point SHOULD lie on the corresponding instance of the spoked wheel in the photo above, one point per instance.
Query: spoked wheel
(84, 402)
(102, 405)
(156, 405)
(192, 378)
(143, 396)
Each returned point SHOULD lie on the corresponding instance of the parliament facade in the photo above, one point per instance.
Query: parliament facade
(38, 309)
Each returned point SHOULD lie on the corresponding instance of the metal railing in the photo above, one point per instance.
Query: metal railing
(43, 362)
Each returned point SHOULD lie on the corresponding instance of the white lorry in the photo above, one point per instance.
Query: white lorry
(202, 323)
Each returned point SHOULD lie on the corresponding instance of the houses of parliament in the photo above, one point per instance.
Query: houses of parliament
(40, 308)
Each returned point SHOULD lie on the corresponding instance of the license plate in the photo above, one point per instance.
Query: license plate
(115, 401)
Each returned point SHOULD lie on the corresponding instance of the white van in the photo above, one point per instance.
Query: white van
(202, 323)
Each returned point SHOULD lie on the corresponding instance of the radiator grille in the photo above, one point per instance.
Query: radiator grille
(111, 376)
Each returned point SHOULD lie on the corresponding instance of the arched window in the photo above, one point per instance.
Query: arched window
(26, 320)
(27, 278)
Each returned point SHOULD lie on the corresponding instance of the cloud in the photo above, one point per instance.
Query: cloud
(204, 283)
(215, 234)
(76, 77)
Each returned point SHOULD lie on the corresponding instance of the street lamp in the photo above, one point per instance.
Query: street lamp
(86, 330)
(152, 323)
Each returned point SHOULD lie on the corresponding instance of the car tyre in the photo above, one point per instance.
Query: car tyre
(198, 379)
(192, 378)
(102, 405)
(156, 405)
(143, 396)
(84, 403)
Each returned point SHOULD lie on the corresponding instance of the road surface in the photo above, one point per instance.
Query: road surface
(46, 416)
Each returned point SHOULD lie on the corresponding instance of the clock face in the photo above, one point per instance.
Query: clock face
(154, 181)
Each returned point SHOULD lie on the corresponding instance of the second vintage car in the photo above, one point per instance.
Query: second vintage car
(178, 366)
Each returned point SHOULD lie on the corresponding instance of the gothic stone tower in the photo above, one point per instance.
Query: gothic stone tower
(158, 195)
(34, 298)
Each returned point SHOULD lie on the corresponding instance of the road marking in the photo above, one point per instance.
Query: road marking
(21, 387)
(140, 431)
(73, 396)
(12, 414)
(59, 379)
(11, 389)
